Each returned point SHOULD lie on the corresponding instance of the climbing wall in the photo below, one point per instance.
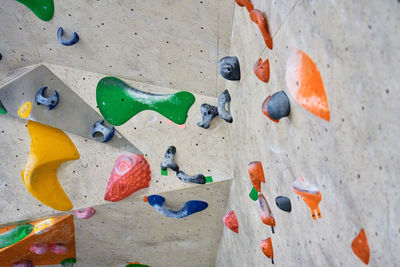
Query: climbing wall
(353, 159)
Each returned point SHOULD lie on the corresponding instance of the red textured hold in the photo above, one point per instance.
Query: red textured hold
(230, 220)
(131, 173)
(261, 69)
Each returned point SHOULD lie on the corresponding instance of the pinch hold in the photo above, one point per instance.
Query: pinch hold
(224, 99)
(85, 214)
(168, 161)
(73, 40)
(196, 179)
(50, 102)
(189, 208)
(229, 68)
(208, 113)
(107, 132)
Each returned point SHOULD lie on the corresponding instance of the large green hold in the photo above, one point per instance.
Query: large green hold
(3, 109)
(43, 9)
(118, 102)
(14, 235)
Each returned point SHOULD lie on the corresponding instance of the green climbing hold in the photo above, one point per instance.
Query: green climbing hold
(16, 234)
(43, 9)
(164, 172)
(209, 179)
(136, 265)
(69, 262)
(253, 194)
(118, 102)
(3, 109)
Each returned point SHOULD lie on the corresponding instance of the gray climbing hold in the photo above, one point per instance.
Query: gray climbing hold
(98, 127)
(278, 105)
(229, 68)
(283, 203)
(208, 113)
(224, 99)
(196, 179)
(168, 161)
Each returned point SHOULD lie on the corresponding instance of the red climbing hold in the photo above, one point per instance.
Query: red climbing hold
(247, 3)
(257, 17)
(230, 220)
(266, 248)
(131, 173)
(360, 246)
(256, 173)
(261, 69)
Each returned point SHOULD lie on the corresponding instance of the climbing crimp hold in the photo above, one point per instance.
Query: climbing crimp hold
(73, 40)
(85, 214)
(208, 113)
(224, 98)
(50, 102)
(107, 132)
(283, 203)
(196, 179)
(230, 220)
(25, 263)
(58, 248)
(276, 106)
(309, 193)
(190, 207)
(267, 249)
(14, 235)
(256, 173)
(229, 68)
(360, 246)
(247, 3)
(257, 17)
(261, 70)
(39, 249)
(265, 212)
(168, 161)
(69, 262)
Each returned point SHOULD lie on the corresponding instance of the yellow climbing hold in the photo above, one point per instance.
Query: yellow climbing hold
(24, 110)
(49, 148)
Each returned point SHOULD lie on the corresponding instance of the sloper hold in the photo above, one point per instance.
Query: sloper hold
(168, 161)
(189, 208)
(229, 68)
(118, 102)
(25, 263)
(283, 203)
(265, 212)
(261, 70)
(267, 249)
(69, 262)
(224, 99)
(231, 222)
(247, 3)
(43, 9)
(257, 17)
(49, 148)
(85, 213)
(39, 249)
(136, 264)
(208, 113)
(256, 173)
(360, 247)
(196, 179)
(14, 235)
(58, 248)
(305, 83)
(310, 194)
(71, 41)
(131, 173)
(277, 106)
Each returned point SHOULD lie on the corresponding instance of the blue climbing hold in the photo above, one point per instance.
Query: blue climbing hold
(73, 40)
(98, 127)
(50, 102)
(189, 208)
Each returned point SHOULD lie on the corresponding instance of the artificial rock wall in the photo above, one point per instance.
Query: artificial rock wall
(353, 159)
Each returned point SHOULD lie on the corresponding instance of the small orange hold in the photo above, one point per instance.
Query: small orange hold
(266, 248)
(265, 109)
(265, 212)
(230, 220)
(247, 3)
(256, 173)
(257, 17)
(310, 194)
(360, 246)
(261, 69)
(146, 199)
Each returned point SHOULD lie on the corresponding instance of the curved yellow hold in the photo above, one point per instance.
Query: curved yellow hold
(49, 148)
(24, 110)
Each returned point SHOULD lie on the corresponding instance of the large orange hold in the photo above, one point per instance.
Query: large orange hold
(360, 246)
(266, 248)
(256, 173)
(230, 220)
(131, 173)
(257, 17)
(305, 83)
(247, 3)
(261, 69)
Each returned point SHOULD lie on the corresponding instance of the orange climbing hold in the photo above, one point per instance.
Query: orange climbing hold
(256, 173)
(305, 83)
(266, 248)
(310, 194)
(360, 246)
(265, 212)
(261, 69)
(247, 3)
(230, 220)
(257, 17)
(265, 109)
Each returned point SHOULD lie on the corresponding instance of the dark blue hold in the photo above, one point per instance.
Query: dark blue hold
(73, 40)
(189, 208)
(50, 102)
(98, 127)
(1, 56)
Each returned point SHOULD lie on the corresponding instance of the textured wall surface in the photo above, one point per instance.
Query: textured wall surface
(353, 159)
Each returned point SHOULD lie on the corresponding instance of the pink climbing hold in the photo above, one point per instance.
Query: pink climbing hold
(58, 249)
(131, 173)
(230, 220)
(85, 214)
(23, 264)
(39, 249)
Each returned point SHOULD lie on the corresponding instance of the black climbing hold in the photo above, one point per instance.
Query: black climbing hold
(229, 68)
(168, 161)
(278, 105)
(283, 203)
(73, 40)
(224, 99)
(98, 127)
(197, 179)
(1, 56)
(208, 113)
(50, 102)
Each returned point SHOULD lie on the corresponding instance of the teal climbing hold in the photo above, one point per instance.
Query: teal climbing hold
(43, 9)
(118, 102)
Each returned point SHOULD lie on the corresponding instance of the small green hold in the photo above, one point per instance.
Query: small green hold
(43, 9)
(209, 179)
(15, 235)
(118, 102)
(68, 262)
(253, 194)
(136, 265)
(3, 109)
(164, 172)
